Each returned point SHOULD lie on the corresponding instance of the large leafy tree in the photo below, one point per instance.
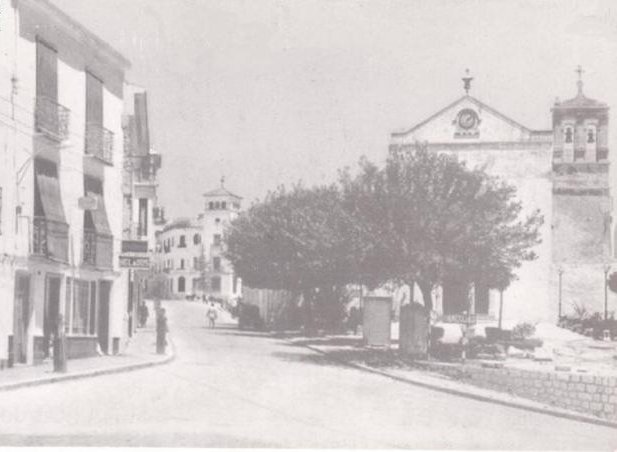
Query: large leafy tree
(299, 240)
(428, 217)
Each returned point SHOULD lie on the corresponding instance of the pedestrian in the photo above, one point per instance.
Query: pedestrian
(212, 315)
(144, 314)
(161, 331)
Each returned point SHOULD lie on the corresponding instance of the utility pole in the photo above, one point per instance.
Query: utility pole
(560, 273)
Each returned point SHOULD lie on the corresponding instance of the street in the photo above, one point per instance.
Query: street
(228, 388)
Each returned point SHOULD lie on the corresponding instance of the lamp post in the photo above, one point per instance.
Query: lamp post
(607, 268)
(560, 273)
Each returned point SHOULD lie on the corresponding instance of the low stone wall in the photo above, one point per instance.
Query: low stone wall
(590, 394)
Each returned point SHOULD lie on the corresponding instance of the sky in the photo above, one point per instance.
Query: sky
(269, 92)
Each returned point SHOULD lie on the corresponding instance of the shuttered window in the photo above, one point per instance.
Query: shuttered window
(46, 71)
(94, 100)
(96, 219)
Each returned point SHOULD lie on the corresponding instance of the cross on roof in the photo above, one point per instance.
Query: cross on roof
(222, 181)
(579, 70)
(467, 81)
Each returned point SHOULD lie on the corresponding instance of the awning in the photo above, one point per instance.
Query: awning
(48, 188)
(97, 217)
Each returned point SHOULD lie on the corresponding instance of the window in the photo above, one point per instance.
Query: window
(181, 264)
(143, 216)
(217, 221)
(197, 239)
(223, 205)
(211, 205)
(216, 240)
(216, 263)
(568, 135)
(591, 135)
(181, 284)
(215, 283)
(196, 263)
(182, 243)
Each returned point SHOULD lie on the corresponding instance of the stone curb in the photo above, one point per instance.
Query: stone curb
(91, 373)
(495, 397)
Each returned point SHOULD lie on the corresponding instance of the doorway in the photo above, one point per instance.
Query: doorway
(21, 318)
(103, 317)
(52, 310)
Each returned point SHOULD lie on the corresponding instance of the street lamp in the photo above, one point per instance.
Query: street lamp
(607, 268)
(560, 273)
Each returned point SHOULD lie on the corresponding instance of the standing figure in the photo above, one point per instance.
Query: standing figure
(212, 315)
(161, 331)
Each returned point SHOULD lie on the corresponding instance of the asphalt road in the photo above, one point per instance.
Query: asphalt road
(228, 388)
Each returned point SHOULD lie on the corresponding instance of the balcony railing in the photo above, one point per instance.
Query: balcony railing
(52, 119)
(97, 249)
(100, 142)
(50, 239)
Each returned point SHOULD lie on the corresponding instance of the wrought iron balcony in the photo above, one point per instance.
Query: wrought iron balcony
(51, 119)
(97, 249)
(100, 142)
(50, 239)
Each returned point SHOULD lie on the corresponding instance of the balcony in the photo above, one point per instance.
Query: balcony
(50, 239)
(51, 119)
(97, 250)
(100, 143)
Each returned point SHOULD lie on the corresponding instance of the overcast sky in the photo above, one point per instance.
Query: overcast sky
(269, 92)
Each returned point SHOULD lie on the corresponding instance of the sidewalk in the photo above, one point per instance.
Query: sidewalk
(138, 354)
(347, 350)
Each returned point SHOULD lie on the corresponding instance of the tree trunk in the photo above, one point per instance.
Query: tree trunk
(427, 295)
(308, 310)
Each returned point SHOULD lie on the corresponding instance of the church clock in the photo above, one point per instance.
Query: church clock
(467, 119)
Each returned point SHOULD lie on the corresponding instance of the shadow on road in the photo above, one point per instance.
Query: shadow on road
(308, 358)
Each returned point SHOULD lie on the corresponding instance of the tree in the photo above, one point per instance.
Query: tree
(297, 240)
(158, 287)
(428, 217)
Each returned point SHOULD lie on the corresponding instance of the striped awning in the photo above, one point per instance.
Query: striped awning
(48, 191)
(97, 218)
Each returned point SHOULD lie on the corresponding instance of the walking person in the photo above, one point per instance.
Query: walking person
(212, 315)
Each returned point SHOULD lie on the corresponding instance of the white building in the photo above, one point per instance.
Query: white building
(221, 207)
(190, 252)
(180, 256)
(563, 172)
(61, 141)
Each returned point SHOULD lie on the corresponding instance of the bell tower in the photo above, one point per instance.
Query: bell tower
(581, 190)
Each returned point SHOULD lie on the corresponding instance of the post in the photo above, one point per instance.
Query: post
(607, 268)
(560, 272)
(500, 307)
(59, 346)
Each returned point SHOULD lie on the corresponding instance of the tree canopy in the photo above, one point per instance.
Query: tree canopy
(420, 218)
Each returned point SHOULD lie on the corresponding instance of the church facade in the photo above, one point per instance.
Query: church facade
(564, 173)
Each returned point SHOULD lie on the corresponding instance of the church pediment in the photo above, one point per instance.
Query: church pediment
(466, 120)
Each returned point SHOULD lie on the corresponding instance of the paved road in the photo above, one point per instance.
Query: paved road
(233, 389)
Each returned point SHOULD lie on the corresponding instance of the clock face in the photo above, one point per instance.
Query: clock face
(467, 119)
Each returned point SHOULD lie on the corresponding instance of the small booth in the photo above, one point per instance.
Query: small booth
(376, 321)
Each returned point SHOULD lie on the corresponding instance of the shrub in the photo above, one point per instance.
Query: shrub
(523, 331)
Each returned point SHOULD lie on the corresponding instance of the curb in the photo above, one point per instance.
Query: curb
(91, 373)
(496, 399)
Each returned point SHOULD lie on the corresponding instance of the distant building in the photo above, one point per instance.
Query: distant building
(190, 251)
(563, 172)
(221, 207)
(140, 211)
(180, 257)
